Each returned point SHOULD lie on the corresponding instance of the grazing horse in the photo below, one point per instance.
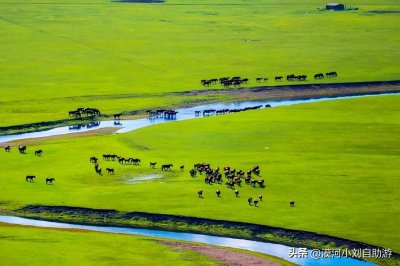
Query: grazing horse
(236, 193)
(117, 116)
(218, 192)
(7, 148)
(38, 153)
(94, 159)
(22, 149)
(278, 78)
(98, 171)
(291, 204)
(250, 200)
(29, 178)
(136, 161)
(255, 203)
(110, 170)
(200, 193)
(153, 165)
(319, 76)
(166, 167)
(332, 74)
(182, 167)
(192, 173)
(260, 197)
(49, 181)
(267, 106)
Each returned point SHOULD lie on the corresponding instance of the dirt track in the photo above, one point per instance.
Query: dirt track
(223, 256)
(292, 92)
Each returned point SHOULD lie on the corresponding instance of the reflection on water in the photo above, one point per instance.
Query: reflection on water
(262, 247)
(181, 114)
(90, 125)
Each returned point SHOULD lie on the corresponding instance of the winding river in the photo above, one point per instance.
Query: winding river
(313, 257)
(277, 250)
(183, 114)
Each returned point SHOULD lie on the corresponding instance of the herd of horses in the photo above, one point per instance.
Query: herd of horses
(30, 178)
(225, 81)
(22, 150)
(90, 112)
(125, 161)
(234, 178)
(208, 112)
(84, 111)
(237, 81)
(162, 113)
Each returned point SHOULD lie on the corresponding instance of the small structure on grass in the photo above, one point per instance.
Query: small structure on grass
(334, 6)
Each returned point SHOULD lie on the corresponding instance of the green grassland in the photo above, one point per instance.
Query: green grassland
(57, 56)
(68, 247)
(339, 160)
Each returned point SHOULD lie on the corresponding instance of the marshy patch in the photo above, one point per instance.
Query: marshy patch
(251, 40)
(140, 1)
(142, 178)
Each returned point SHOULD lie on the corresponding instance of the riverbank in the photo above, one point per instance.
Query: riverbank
(201, 97)
(178, 223)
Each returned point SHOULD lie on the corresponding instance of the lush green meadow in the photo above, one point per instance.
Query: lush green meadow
(338, 160)
(42, 246)
(57, 56)
(69, 247)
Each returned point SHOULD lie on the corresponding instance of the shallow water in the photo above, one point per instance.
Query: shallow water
(183, 114)
(140, 179)
(277, 250)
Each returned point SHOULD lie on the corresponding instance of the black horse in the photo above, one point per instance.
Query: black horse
(110, 170)
(166, 167)
(29, 178)
(153, 165)
(200, 193)
(319, 76)
(291, 204)
(117, 116)
(192, 173)
(7, 148)
(49, 181)
(22, 149)
(250, 200)
(38, 153)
